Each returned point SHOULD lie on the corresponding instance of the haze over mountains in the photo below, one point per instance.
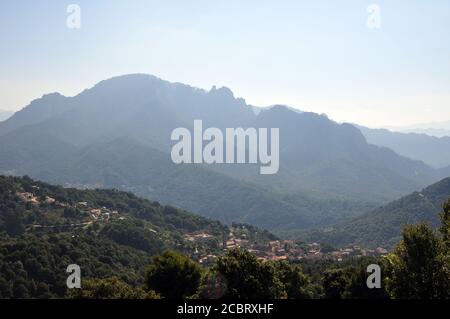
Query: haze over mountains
(117, 134)
(435, 151)
(438, 129)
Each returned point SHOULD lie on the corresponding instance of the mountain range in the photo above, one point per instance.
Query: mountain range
(432, 150)
(117, 134)
(438, 129)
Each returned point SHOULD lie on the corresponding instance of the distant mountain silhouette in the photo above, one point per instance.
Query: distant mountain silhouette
(430, 131)
(438, 129)
(434, 151)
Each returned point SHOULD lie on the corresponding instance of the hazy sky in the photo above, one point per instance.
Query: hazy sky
(317, 56)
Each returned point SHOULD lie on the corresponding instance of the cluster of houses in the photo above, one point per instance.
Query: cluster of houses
(94, 213)
(102, 213)
(200, 239)
(290, 250)
(279, 249)
(31, 198)
(356, 251)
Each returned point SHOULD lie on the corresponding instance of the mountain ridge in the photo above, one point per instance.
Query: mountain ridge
(435, 151)
(322, 163)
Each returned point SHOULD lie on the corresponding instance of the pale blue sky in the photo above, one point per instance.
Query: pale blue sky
(313, 55)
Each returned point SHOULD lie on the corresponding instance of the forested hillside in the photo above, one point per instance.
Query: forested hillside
(129, 247)
(382, 226)
(44, 228)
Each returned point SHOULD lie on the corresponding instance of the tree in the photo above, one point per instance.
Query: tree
(109, 288)
(71, 212)
(212, 286)
(348, 280)
(247, 278)
(296, 283)
(357, 281)
(418, 267)
(445, 225)
(173, 275)
(13, 223)
(335, 282)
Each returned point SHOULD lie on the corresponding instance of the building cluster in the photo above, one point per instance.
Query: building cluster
(103, 213)
(33, 199)
(292, 250)
(94, 213)
(356, 251)
(279, 249)
(202, 239)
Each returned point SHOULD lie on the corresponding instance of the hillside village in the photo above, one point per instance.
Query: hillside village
(92, 213)
(278, 249)
(238, 236)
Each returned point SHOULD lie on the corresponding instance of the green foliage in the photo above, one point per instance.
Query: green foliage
(212, 285)
(13, 224)
(173, 275)
(419, 267)
(356, 287)
(349, 281)
(248, 278)
(335, 282)
(109, 288)
(445, 225)
(252, 233)
(241, 275)
(71, 212)
(35, 266)
(33, 260)
(296, 284)
(129, 233)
